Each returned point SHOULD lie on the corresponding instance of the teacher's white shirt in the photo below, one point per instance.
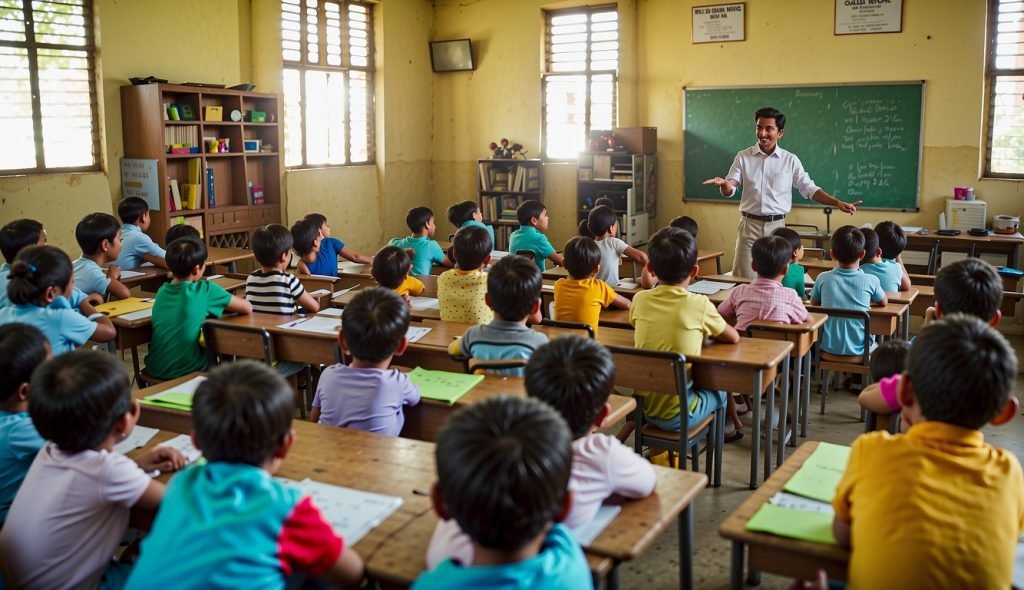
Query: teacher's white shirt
(768, 181)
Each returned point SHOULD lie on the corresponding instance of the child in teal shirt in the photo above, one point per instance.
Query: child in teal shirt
(467, 214)
(425, 251)
(533, 220)
(794, 278)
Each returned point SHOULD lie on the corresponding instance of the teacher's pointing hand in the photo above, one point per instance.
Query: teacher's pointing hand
(849, 208)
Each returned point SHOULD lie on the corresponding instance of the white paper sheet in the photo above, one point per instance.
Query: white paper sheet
(415, 333)
(138, 315)
(587, 532)
(424, 303)
(189, 386)
(319, 324)
(334, 312)
(319, 292)
(183, 443)
(140, 436)
(211, 277)
(627, 285)
(130, 274)
(787, 500)
(708, 287)
(343, 291)
(352, 513)
(497, 254)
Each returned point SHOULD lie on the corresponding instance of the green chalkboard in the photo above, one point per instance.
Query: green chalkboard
(857, 142)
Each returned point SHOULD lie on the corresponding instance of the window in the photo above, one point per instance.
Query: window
(327, 46)
(581, 69)
(48, 121)
(1004, 148)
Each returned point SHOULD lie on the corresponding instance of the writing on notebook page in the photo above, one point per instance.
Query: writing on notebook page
(352, 513)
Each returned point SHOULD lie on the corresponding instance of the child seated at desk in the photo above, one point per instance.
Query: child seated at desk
(583, 229)
(425, 251)
(846, 287)
(390, 268)
(270, 289)
(533, 220)
(794, 278)
(765, 298)
(605, 225)
(367, 394)
(669, 317)
(683, 222)
(462, 291)
(306, 240)
(99, 237)
(228, 522)
(467, 214)
(22, 349)
(181, 230)
(72, 509)
(40, 282)
(136, 246)
(970, 286)
(582, 296)
(326, 262)
(512, 514)
(890, 273)
(887, 364)
(513, 292)
(181, 307)
(15, 237)
(937, 507)
(574, 375)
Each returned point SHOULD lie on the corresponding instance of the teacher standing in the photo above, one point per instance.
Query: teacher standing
(768, 174)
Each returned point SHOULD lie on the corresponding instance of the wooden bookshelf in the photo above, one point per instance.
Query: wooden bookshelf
(231, 217)
(502, 185)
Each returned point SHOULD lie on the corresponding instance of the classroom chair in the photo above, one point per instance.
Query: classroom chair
(525, 253)
(231, 340)
(662, 371)
(832, 363)
(474, 366)
(587, 329)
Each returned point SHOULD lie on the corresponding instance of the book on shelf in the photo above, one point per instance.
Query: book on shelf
(193, 196)
(195, 221)
(501, 181)
(195, 167)
(173, 194)
(532, 178)
(256, 194)
(485, 178)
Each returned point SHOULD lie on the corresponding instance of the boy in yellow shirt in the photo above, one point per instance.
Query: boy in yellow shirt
(668, 317)
(390, 268)
(461, 291)
(938, 507)
(581, 297)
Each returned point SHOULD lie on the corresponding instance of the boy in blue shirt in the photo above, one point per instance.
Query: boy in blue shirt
(513, 514)
(467, 214)
(846, 287)
(22, 349)
(883, 247)
(99, 236)
(137, 246)
(425, 251)
(227, 522)
(326, 262)
(533, 219)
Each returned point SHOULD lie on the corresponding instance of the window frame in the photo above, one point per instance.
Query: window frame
(992, 74)
(32, 47)
(588, 73)
(345, 68)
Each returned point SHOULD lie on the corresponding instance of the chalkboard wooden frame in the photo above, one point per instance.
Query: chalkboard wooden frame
(711, 141)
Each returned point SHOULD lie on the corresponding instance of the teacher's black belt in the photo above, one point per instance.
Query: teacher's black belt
(763, 217)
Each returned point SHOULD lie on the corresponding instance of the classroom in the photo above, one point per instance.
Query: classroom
(411, 135)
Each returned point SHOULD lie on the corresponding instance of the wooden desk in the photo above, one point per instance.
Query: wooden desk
(150, 279)
(227, 257)
(778, 555)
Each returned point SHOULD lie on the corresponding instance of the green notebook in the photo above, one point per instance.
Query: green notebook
(443, 386)
(177, 398)
(818, 477)
(796, 524)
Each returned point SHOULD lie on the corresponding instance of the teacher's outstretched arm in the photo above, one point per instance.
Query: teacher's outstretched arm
(830, 201)
(726, 186)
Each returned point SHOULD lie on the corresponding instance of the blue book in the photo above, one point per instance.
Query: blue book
(211, 195)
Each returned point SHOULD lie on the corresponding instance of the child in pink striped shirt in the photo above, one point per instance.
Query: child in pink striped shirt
(765, 299)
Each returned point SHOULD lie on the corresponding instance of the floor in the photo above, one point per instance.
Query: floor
(657, 568)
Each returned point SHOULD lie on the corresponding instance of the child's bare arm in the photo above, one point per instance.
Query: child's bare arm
(881, 302)
(348, 571)
(355, 256)
(729, 336)
(308, 302)
(301, 268)
(105, 330)
(647, 279)
(871, 399)
(621, 302)
(557, 259)
(314, 415)
(238, 305)
(638, 256)
(841, 531)
(151, 498)
(118, 289)
(155, 260)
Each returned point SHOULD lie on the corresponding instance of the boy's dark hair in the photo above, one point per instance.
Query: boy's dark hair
(847, 244)
(374, 324)
(771, 113)
(962, 371)
(600, 220)
(242, 413)
(890, 358)
(513, 284)
(970, 286)
(685, 222)
(460, 213)
(529, 209)
(870, 242)
(504, 460)
(304, 235)
(181, 230)
(581, 257)
(390, 266)
(34, 270)
(93, 229)
(318, 218)
(185, 254)
(417, 218)
(575, 376)
(270, 242)
(584, 230)
(471, 246)
(790, 236)
(76, 398)
(673, 254)
(17, 235)
(22, 348)
(891, 239)
(771, 256)
(605, 202)
(131, 209)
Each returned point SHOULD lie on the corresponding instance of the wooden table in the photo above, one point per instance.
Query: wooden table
(227, 257)
(422, 421)
(778, 555)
